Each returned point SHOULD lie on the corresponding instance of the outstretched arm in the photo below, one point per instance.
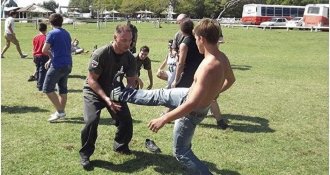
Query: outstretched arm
(150, 79)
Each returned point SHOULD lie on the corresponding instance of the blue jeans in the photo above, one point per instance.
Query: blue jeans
(184, 127)
(41, 71)
(57, 76)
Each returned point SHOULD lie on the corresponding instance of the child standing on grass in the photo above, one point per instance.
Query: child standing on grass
(39, 58)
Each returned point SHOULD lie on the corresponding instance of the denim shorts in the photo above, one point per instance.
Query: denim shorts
(57, 76)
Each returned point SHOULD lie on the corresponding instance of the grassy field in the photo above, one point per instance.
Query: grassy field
(278, 109)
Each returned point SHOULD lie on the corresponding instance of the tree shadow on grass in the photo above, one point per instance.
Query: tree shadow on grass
(83, 77)
(164, 164)
(80, 120)
(21, 109)
(247, 124)
(241, 67)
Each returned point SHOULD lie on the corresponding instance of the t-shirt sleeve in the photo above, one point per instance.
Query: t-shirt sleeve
(147, 64)
(186, 40)
(95, 65)
(50, 38)
(131, 68)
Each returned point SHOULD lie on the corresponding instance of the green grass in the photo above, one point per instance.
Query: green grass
(278, 109)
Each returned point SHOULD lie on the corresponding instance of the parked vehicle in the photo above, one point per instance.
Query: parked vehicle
(274, 22)
(257, 13)
(317, 15)
(295, 22)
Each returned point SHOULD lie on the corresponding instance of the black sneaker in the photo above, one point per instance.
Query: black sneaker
(24, 55)
(86, 164)
(117, 84)
(151, 146)
(125, 151)
(223, 124)
(32, 78)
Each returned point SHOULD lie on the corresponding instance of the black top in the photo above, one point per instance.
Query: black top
(106, 63)
(193, 59)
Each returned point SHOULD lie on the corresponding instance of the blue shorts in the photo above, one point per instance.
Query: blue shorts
(57, 76)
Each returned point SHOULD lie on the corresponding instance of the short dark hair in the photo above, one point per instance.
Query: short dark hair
(42, 27)
(144, 49)
(187, 26)
(120, 28)
(12, 13)
(56, 19)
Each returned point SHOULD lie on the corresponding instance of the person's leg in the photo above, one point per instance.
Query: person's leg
(18, 47)
(37, 62)
(53, 76)
(6, 46)
(42, 71)
(215, 110)
(92, 111)
(124, 126)
(63, 86)
(159, 97)
(183, 132)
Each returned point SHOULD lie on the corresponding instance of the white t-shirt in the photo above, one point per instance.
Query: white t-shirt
(9, 21)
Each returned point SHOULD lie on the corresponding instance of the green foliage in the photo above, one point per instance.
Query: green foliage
(194, 8)
(50, 5)
(83, 4)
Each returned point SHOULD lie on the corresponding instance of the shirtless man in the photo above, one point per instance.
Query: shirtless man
(191, 104)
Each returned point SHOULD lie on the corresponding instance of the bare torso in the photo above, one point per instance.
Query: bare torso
(209, 78)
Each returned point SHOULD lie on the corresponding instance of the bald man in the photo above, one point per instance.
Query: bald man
(178, 38)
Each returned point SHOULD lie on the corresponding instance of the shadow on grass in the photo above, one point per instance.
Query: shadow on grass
(164, 164)
(21, 109)
(241, 67)
(83, 77)
(75, 90)
(80, 120)
(155, 61)
(247, 124)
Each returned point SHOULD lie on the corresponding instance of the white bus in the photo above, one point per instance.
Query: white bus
(317, 15)
(257, 13)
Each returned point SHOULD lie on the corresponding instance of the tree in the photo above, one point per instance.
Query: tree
(82, 4)
(227, 5)
(51, 5)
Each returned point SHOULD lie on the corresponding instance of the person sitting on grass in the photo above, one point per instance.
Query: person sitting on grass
(170, 60)
(75, 49)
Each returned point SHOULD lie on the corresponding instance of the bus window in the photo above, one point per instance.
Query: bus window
(263, 11)
(313, 10)
(286, 11)
(301, 12)
(278, 11)
(270, 11)
(294, 12)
